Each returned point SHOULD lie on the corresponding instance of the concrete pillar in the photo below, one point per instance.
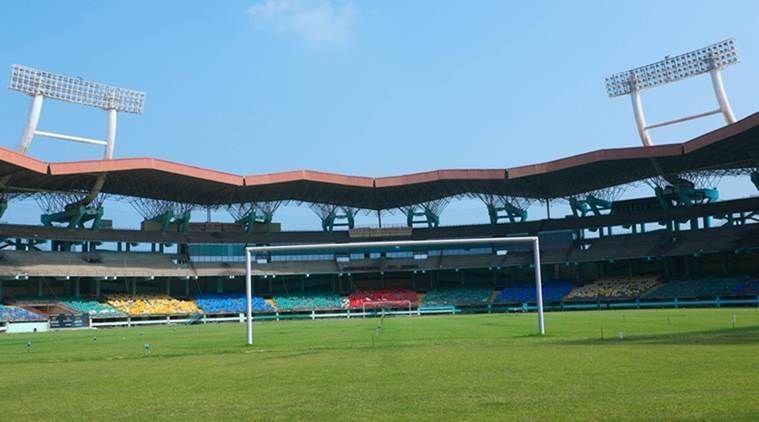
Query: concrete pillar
(97, 287)
(219, 285)
(168, 287)
(187, 287)
(134, 287)
(77, 288)
(1, 289)
(39, 287)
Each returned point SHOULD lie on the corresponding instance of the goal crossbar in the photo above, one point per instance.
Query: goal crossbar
(251, 251)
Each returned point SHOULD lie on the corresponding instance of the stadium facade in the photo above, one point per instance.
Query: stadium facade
(678, 246)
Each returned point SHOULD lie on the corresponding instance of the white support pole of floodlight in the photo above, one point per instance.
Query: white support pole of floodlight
(711, 59)
(719, 92)
(110, 136)
(41, 84)
(31, 123)
(251, 251)
(640, 118)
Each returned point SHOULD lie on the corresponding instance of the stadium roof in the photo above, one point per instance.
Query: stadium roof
(735, 146)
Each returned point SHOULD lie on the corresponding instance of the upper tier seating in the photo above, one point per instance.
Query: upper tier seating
(226, 303)
(553, 291)
(614, 287)
(90, 264)
(457, 296)
(707, 287)
(378, 297)
(143, 305)
(14, 313)
(308, 301)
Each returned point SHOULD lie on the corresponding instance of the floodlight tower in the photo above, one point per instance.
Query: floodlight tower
(77, 208)
(40, 84)
(711, 59)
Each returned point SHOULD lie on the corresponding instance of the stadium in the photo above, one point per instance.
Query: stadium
(385, 320)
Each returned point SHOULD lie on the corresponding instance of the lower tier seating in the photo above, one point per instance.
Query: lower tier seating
(378, 297)
(553, 291)
(15, 313)
(457, 296)
(226, 303)
(750, 288)
(614, 288)
(707, 287)
(143, 305)
(90, 306)
(308, 301)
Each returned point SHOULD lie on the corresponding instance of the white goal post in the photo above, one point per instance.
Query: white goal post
(251, 251)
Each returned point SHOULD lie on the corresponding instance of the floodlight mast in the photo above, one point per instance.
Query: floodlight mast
(711, 59)
(533, 241)
(40, 84)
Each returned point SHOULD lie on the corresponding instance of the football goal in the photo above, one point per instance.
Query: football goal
(500, 244)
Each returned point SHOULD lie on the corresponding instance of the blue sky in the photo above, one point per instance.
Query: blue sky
(367, 87)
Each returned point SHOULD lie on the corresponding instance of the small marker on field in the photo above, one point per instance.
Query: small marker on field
(732, 321)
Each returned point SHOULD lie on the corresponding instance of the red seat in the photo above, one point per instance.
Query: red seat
(383, 297)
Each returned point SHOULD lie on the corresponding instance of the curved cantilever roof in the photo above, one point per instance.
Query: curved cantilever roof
(731, 147)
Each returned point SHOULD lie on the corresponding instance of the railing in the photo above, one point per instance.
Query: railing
(97, 322)
(392, 304)
(275, 316)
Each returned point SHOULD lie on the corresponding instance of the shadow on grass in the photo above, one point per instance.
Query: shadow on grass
(727, 336)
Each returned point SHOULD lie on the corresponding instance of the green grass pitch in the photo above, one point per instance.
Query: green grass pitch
(670, 364)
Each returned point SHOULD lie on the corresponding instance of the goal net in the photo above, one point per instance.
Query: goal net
(413, 247)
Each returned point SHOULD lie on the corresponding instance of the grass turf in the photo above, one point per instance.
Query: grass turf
(671, 364)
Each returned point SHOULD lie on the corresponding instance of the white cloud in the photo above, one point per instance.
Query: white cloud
(316, 21)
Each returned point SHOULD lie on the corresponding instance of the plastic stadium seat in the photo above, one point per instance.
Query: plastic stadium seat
(750, 288)
(92, 307)
(553, 291)
(76, 304)
(143, 305)
(614, 288)
(377, 297)
(14, 313)
(308, 301)
(705, 287)
(227, 303)
(457, 296)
